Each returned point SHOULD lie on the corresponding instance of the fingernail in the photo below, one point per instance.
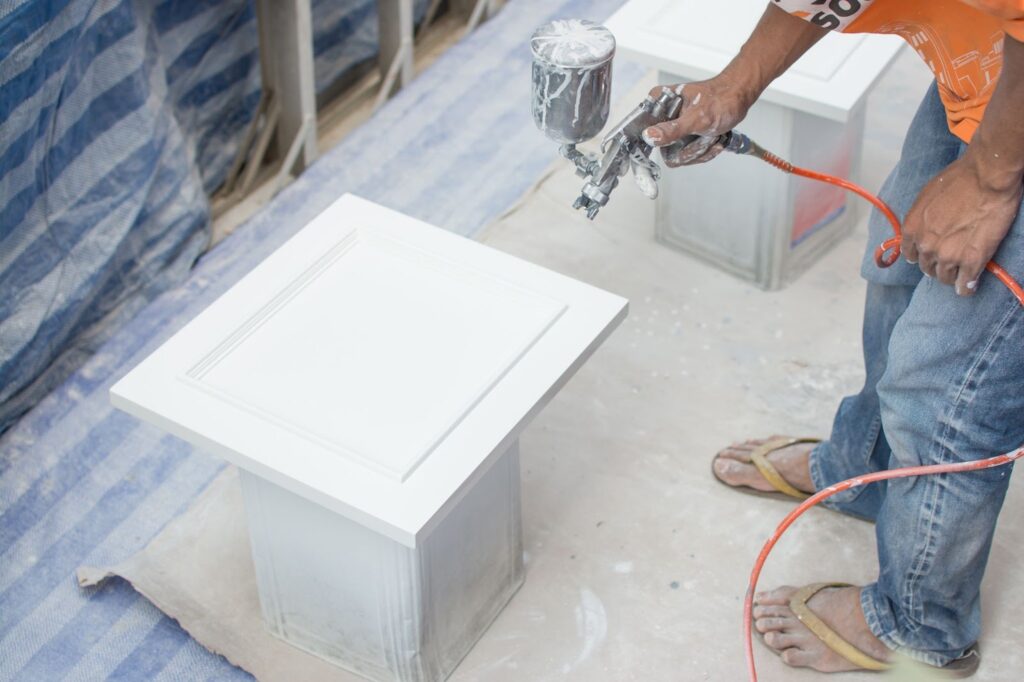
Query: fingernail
(652, 136)
(972, 285)
(912, 262)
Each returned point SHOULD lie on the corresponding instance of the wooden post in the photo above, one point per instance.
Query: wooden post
(286, 62)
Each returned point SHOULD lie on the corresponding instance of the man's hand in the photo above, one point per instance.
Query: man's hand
(962, 216)
(710, 108)
(958, 221)
(715, 106)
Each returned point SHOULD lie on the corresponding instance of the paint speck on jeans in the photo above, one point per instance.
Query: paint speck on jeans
(674, 584)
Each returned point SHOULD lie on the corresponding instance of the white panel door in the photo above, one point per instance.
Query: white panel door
(373, 364)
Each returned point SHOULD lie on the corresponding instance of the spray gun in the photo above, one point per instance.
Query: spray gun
(572, 83)
(571, 77)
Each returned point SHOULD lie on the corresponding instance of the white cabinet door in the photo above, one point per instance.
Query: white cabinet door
(373, 364)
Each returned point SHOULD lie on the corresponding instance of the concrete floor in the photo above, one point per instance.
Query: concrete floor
(637, 559)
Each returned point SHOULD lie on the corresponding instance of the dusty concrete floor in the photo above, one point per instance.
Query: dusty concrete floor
(637, 560)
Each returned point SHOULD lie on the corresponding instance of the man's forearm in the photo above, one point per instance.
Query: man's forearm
(778, 40)
(998, 145)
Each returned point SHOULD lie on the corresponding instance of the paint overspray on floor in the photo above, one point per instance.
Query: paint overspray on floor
(637, 559)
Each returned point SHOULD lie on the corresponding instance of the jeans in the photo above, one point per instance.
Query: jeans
(944, 379)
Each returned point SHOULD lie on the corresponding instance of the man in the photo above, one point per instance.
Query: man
(943, 341)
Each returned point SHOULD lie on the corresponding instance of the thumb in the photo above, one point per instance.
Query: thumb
(688, 123)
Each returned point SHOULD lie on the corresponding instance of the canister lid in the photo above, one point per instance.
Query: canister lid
(572, 43)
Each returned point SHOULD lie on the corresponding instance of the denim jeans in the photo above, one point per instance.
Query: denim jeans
(945, 383)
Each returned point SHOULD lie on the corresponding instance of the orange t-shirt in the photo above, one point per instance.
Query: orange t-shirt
(960, 40)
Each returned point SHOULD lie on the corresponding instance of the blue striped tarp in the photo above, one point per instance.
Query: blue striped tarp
(81, 483)
(117, 119)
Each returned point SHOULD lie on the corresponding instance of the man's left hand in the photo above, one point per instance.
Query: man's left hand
(959, 220)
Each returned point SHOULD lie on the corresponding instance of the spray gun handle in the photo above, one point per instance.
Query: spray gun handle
(731, 141)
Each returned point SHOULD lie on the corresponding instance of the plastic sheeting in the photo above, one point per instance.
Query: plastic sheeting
(118, 118)
(81, 483)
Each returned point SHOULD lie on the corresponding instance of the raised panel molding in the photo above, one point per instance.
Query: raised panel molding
(382, 438)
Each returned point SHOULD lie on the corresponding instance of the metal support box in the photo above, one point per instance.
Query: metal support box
(740, 215)
(371, 379)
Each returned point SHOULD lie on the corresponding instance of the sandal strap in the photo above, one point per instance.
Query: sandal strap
(759, 458)
(828, 636)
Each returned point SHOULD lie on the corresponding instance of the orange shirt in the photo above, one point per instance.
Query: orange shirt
(960, 40)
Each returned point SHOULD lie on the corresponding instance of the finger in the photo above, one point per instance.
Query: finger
(946, 272)
(908, 247)
(656, 91)
(927, 263)
(968, 275)
(692, 120)
(684, 155)
(712, 152)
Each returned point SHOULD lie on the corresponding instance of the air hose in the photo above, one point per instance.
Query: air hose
(886, 254)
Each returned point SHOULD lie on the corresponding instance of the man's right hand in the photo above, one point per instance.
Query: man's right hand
(710, 108)
(715, 106)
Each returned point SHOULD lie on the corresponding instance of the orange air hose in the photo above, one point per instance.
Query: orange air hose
(886, 254)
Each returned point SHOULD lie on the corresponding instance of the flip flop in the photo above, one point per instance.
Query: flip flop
(759, 458)
(965, 666)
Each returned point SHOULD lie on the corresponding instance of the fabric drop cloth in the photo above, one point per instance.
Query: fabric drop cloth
(199, 571)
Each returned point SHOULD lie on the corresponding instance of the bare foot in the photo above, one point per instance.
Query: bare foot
(839, 607)
(733, 467)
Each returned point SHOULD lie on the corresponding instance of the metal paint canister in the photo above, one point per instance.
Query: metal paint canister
(572, 79)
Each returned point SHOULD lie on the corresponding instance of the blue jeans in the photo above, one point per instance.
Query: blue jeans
(944, 384)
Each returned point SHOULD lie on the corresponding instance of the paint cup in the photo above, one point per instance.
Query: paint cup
(572, 79)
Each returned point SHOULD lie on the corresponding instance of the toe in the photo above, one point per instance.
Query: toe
(772, 611)
(738, 451)
(778, 596)
(732, 471)
(774, 624)
(797, 658)
(781, 640)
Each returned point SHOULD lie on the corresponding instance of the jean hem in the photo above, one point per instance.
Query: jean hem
(884, 629)
(820, 480)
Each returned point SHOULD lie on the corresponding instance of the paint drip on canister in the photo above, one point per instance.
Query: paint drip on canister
(572, 79)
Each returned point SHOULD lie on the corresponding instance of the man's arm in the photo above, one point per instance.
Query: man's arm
(715, 106)
(962, 216)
